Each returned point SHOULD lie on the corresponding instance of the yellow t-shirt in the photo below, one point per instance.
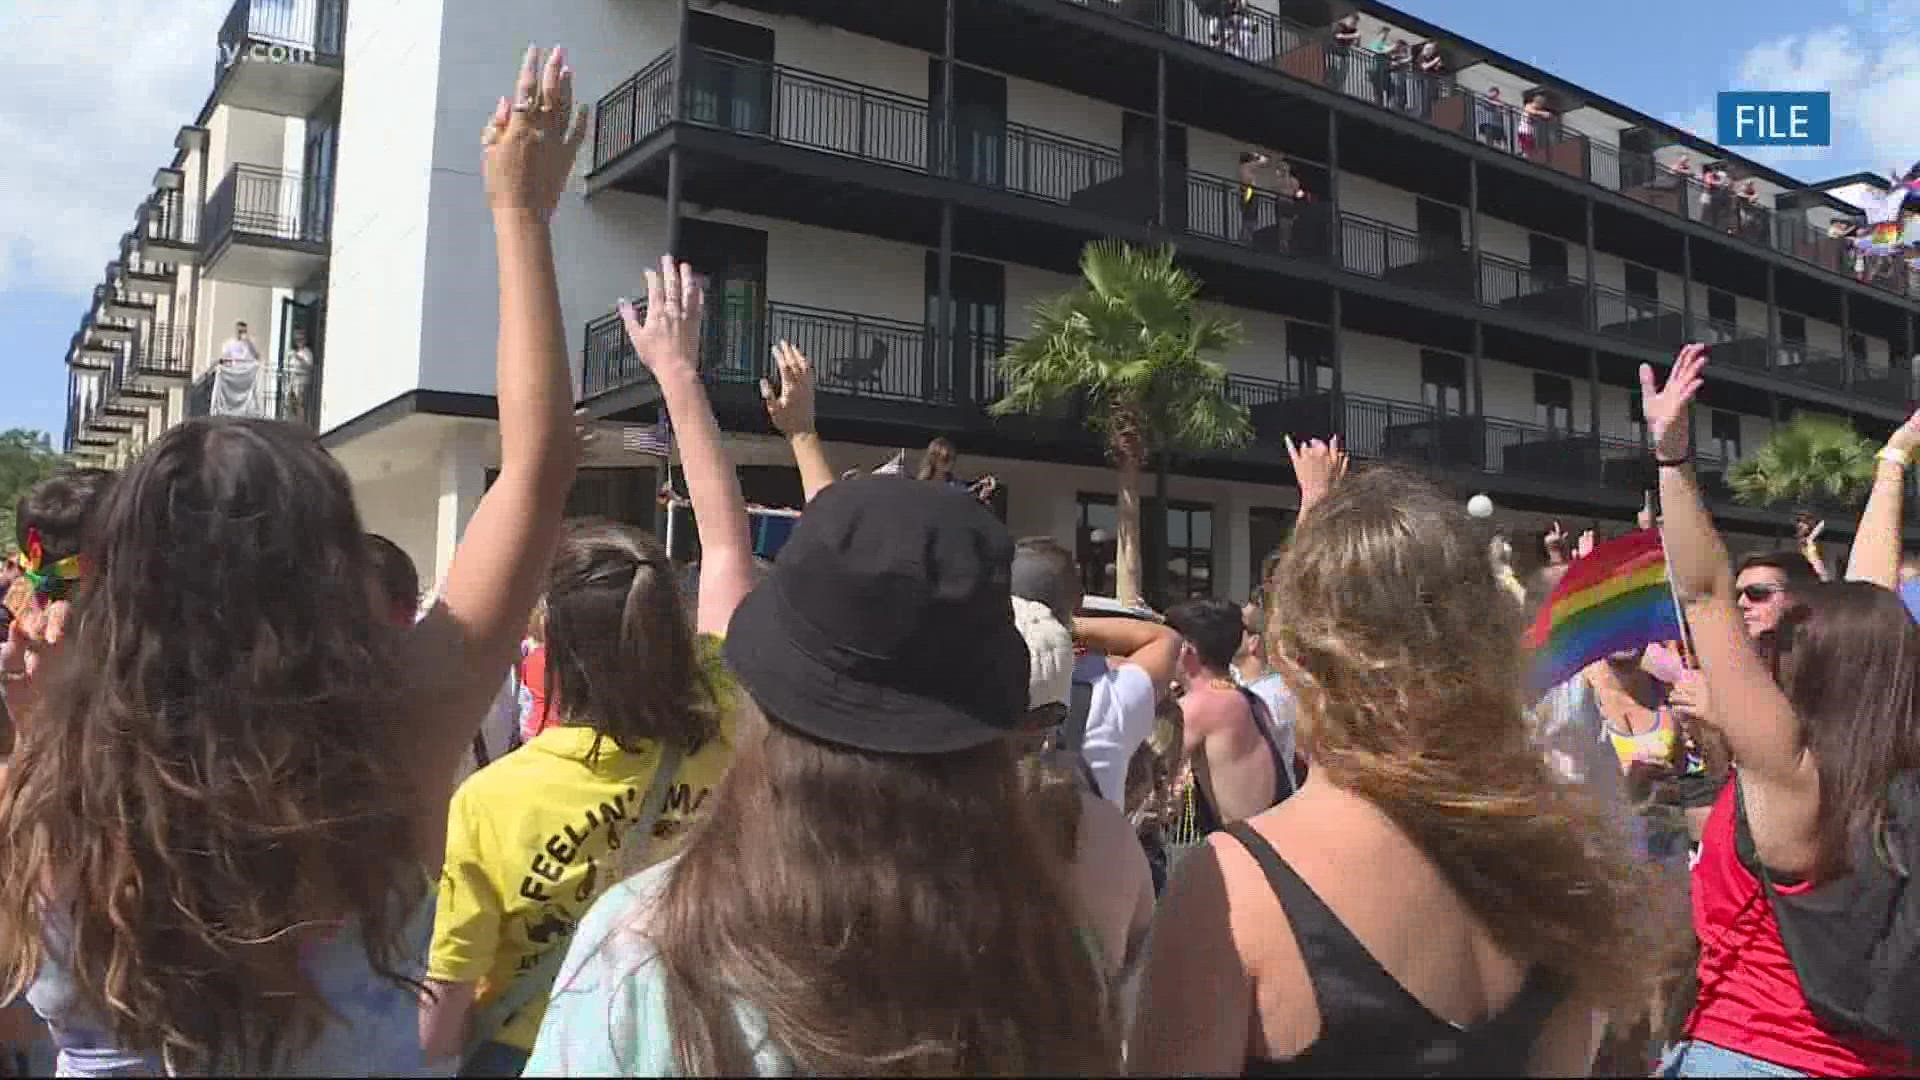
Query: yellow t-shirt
(535, 837)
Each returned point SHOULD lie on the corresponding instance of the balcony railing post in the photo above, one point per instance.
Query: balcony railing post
(1593, 310)
(1846, 342)
(1773, 322)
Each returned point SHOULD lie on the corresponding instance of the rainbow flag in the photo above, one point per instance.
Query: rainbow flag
(1615, 599)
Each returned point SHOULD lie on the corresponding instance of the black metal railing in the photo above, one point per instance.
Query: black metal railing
(278, 392)
(1810, 364)
(1551, 294)
(1733, 344)
(169, 218)
(162, 351)
(1638, 318)
(1397, 84)
(264, 202)
(854, 355)
(281, 32)
(835, 116)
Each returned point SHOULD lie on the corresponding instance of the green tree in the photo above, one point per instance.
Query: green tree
(1132, 344)
(1811, 461)
(26, 458)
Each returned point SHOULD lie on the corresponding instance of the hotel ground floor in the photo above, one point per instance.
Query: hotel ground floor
(420, 465)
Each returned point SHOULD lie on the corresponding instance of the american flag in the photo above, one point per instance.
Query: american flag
(655, 441)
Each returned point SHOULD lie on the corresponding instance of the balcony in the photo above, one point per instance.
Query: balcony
(1400, 256)
(1554, 296)
(862, 362)
(1639, 319)
(167, 229)
(266, 227)
(265, 391)
(130, 391)
(160, 355)
(89, 353)
(1309, 55)
(280, 56)
(113, 302)
(110, 330)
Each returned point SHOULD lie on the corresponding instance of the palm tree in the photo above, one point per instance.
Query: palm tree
(1810, 461)
(1133, 345)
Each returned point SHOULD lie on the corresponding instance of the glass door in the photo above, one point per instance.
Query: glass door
(979, 313)
(296, 365)
(735, 262)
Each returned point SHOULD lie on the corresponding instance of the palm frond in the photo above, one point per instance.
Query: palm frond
(1813, 458)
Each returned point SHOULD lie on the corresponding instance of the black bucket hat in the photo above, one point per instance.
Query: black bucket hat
(887, 622)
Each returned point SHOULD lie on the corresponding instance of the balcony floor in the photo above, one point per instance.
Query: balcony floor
(249, 259)
(280, 88)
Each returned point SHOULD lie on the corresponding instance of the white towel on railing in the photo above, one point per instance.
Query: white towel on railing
(236, 388)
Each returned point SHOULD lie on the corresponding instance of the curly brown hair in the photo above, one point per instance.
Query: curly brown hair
(215, 772)
(1404, 653)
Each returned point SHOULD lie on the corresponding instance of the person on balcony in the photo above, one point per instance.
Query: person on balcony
(1429, 81)
(1380, 63)
(1753, 216)
(236, 381)
(295, 378)
(1491, 114)
(1536, 120)
(1346, 38)
(1400, 72)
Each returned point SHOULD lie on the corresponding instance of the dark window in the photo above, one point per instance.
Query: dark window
(1547, 256)
(1310, 357)
(1182, 546)
(1857, 346)
(1793, 328)
(1267, 530)
(323, 141)
(1726, 436)
(729, 73)
(1443, 382)
(1638, 416)
(1721, 307)
(734, 259)
(1553, 403)
(1643, 282)
(979, 323)
(979, 121)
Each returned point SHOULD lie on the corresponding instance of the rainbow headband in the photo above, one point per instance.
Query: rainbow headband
(49, 582)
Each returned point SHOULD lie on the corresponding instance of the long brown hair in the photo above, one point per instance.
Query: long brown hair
(1848, 658)
(621, 657)
(214, 768)
(936, 462)
(886, 914)
(1402, 648)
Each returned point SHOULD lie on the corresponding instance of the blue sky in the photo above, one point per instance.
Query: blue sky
(98, 88)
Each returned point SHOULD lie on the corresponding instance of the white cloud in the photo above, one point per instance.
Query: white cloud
(96, 90)
(1867, 63)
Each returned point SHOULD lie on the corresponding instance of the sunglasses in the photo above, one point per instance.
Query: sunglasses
(1759, 594)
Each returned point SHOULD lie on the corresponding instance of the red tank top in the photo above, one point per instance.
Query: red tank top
(1750, 999)
(533, 676)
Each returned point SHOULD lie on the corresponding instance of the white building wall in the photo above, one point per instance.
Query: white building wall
(1509, 241)
(1381, 202)
(1380, 367)
(391, 132)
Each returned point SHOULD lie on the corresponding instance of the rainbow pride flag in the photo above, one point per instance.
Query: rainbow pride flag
(1614, 600)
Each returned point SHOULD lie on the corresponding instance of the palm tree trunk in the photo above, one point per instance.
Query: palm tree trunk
(1127, 529)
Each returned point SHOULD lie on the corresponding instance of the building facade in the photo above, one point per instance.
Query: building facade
(1462, 284)
(234, 231)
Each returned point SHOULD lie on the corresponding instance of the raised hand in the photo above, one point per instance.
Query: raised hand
(1556, 542)
(1589, 539)
(530, 142)
(1907, 438)
(1317, 466)
(1644, 519)
(791, 410)
(667, 341)
(1666, 407)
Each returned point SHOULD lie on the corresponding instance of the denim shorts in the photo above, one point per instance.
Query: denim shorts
(1695, 1058)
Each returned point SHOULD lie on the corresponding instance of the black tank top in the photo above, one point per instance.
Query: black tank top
(1370, 1025)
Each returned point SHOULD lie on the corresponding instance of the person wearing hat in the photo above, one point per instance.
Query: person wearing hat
(871, 890)
(1105, 861)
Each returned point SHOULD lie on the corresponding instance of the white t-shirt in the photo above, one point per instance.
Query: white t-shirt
(1273, 693)
(237, 349)
(1121, 718)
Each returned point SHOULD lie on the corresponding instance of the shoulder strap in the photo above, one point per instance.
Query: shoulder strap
(539, 979)
(1073, 733)
(1263, 722)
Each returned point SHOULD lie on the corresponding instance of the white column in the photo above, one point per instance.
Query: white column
(463, 479)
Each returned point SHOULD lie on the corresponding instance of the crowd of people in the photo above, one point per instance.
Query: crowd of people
(904, 801)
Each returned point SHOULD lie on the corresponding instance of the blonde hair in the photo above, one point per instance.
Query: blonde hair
(1403, 649)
